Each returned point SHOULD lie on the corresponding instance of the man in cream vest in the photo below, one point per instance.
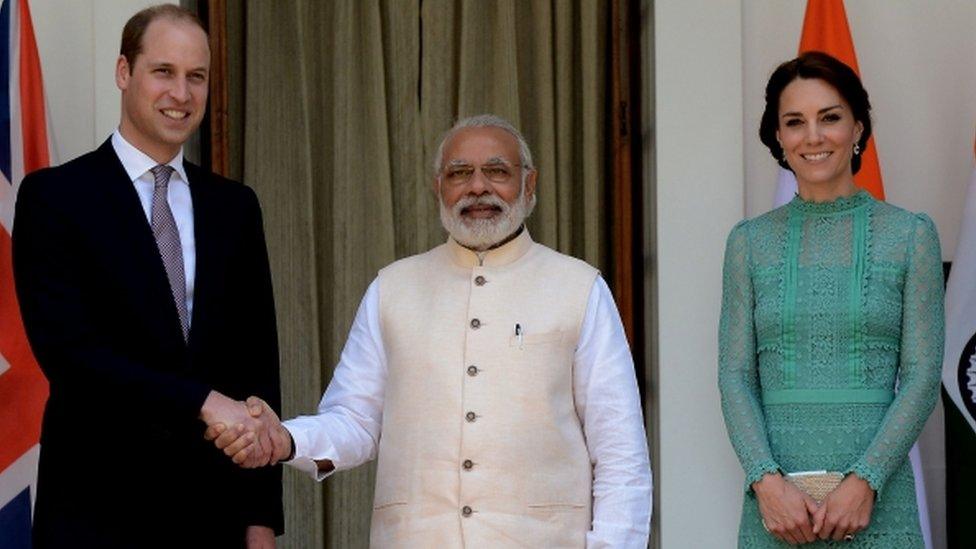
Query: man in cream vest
(491, 377)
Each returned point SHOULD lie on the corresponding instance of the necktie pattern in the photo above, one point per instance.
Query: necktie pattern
(168, 241)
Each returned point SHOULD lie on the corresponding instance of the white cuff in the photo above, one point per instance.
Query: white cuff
(302, 459)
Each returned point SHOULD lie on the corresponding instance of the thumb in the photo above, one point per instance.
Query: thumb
(811, 504)
(214, 431)
(255, 406)
(818, 519)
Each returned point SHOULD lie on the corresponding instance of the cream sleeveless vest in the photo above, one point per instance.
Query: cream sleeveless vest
(481, 445)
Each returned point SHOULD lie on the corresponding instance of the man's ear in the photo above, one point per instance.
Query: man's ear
(530, 181)
(122, 72)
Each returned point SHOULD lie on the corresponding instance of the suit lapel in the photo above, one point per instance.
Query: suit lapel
(206, 252)
(134, 246)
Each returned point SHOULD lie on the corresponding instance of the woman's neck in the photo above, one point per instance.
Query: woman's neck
(826, 192)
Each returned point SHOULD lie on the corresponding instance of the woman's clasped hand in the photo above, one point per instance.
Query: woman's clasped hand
(794, 517)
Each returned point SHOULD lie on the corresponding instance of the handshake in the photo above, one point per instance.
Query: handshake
(249, 432)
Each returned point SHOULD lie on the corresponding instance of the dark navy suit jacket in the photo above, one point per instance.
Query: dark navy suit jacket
(123, 460)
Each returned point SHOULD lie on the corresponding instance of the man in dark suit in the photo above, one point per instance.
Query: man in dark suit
(146, 293)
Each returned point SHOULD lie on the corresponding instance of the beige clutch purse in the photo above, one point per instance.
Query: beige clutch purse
(816, 484)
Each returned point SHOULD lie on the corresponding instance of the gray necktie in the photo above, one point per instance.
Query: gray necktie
(168, 241)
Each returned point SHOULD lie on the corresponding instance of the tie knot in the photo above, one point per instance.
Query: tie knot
(161, 173)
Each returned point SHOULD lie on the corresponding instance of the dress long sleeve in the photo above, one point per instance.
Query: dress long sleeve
(831, 346)
(922, 339)
(738, 372)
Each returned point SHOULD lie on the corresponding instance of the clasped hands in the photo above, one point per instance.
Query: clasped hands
(794, 517)
(248, 432)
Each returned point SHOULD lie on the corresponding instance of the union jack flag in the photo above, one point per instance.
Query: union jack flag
(24, 147)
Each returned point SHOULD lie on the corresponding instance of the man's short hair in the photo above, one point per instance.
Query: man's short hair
(135, 27)
(485, 121)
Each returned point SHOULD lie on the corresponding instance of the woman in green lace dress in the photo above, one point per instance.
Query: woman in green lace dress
(831, 331)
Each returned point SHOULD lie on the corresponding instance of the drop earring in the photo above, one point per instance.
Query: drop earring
(857, 149)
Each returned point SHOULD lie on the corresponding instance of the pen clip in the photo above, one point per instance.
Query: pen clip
(518, 334)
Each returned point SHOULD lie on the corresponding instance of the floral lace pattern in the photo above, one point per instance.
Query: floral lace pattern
(827, 309)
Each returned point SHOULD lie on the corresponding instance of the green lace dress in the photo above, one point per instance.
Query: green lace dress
(827, 308)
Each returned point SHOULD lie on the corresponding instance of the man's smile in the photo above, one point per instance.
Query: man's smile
(174, 114)
(481, 211)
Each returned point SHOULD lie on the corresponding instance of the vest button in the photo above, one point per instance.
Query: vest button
(475, 323)
(468, 464)
(472, 370)
(470, 416)
(479, 280)
(466, 511)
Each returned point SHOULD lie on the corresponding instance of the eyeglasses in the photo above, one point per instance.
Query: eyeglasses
(496, 172)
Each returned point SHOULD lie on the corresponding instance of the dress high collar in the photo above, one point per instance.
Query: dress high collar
(842, 204)
(503, 255)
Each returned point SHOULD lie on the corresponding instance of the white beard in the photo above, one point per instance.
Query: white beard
(482, 234)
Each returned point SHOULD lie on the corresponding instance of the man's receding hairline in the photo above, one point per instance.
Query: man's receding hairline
(449, 140)
(174, 18)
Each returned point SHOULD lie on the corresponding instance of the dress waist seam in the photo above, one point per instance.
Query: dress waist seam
(827, 396)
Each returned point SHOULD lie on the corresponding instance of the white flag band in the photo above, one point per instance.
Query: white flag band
(959, 367)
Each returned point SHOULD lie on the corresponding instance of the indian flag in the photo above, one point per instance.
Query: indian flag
(959, 380)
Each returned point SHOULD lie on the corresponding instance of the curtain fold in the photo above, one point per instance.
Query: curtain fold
(345, 102)
(277, 164)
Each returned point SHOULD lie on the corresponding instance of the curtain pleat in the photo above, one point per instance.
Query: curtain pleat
(278, 157)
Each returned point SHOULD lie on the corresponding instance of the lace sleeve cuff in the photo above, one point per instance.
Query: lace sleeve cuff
(873, 478)
(757, 471)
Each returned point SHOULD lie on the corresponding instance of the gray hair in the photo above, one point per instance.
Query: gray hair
(485, 121)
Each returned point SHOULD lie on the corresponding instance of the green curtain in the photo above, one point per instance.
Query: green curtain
(344, 104)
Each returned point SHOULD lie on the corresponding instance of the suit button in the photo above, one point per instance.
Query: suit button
(466, 511)
(472, 370)
(470, 416)
(475, 323)
(479, 280)
(468, 464)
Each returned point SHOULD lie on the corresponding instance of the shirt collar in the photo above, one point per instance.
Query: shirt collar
(137, 163)
(503, 255)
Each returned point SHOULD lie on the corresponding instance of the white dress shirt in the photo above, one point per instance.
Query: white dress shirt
(137, 165)
(346, 429)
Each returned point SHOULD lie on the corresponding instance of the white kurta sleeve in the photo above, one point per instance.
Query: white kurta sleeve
(346, 429)
(608, 405)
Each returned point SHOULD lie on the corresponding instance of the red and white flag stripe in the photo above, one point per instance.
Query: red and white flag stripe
(24, 147)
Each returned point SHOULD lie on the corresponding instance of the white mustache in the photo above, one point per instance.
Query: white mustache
(483, 200)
